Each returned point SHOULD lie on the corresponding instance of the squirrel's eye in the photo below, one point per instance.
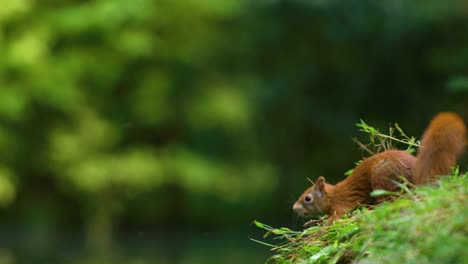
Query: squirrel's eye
(308, 198)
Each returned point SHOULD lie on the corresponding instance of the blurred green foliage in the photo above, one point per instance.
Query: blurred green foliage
(205, 115)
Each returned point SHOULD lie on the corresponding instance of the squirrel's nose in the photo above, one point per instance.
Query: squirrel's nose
(297, 207)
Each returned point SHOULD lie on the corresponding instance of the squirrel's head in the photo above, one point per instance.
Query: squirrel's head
(315, 200)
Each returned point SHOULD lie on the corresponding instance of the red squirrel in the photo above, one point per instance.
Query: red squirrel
(443, 141)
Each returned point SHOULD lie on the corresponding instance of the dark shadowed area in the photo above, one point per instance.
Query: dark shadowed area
(156, 131)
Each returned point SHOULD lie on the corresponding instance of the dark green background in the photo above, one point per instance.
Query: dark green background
(156, 131)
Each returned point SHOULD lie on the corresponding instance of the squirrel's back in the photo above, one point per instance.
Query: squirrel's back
(443, 141)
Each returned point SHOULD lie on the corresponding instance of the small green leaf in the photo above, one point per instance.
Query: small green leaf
(376, 193)
(258, 224)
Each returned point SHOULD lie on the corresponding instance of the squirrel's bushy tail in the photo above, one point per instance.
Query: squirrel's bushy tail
(442, 143)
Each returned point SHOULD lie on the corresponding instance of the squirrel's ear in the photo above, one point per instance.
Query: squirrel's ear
(320, 184)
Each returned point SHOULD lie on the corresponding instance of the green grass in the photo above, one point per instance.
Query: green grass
(425, 225)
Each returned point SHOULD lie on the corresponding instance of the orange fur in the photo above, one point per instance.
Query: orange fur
(442, 143)
(376, 172)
